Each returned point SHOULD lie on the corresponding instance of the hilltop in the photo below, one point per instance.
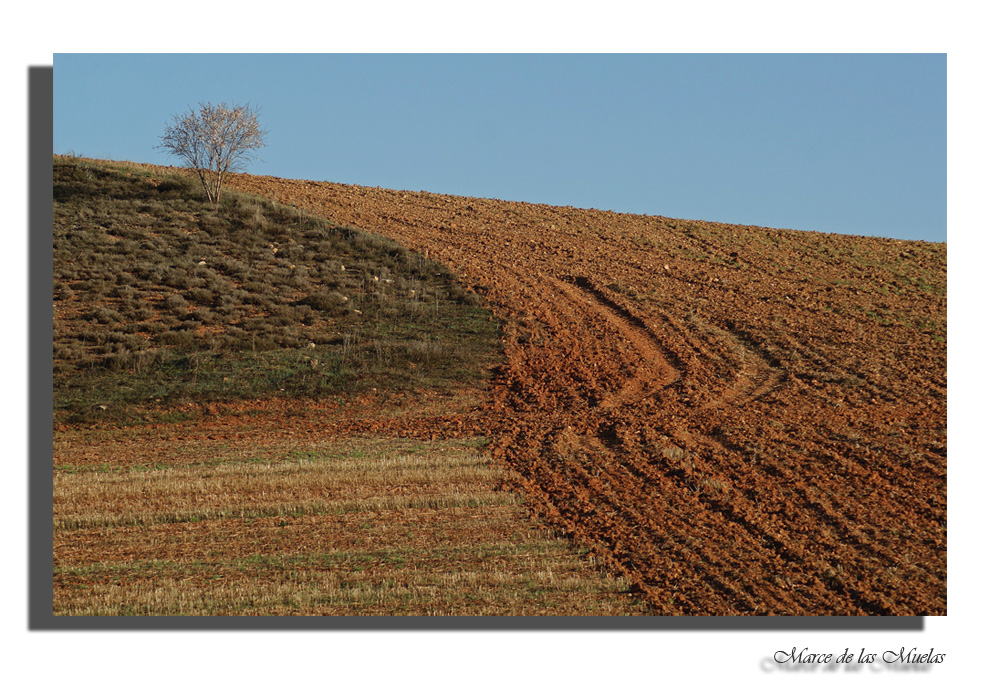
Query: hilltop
(737, 420)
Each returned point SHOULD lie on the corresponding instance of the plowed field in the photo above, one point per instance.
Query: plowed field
(740, 420)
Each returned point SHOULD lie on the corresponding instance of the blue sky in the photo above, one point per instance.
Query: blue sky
(835, 143)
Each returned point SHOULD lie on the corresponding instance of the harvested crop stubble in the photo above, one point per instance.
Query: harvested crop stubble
(355, 527)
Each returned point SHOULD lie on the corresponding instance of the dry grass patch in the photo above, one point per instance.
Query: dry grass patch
(303, 486)
(360, 527)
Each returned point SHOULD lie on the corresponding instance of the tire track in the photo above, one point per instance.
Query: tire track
(650, 367)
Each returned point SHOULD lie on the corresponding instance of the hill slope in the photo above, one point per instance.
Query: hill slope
(741, 420)
(159, 296)
(262, 413)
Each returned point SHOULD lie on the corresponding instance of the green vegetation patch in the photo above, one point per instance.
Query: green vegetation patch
(162, 297)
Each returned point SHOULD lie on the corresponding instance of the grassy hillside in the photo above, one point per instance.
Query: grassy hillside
(285, 420)
(162, 298)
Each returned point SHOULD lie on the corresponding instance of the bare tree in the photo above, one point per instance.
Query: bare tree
(213, 141)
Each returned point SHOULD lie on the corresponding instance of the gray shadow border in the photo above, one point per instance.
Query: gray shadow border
(40, 435)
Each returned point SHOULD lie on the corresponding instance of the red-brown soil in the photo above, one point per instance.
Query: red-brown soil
(740, 420)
